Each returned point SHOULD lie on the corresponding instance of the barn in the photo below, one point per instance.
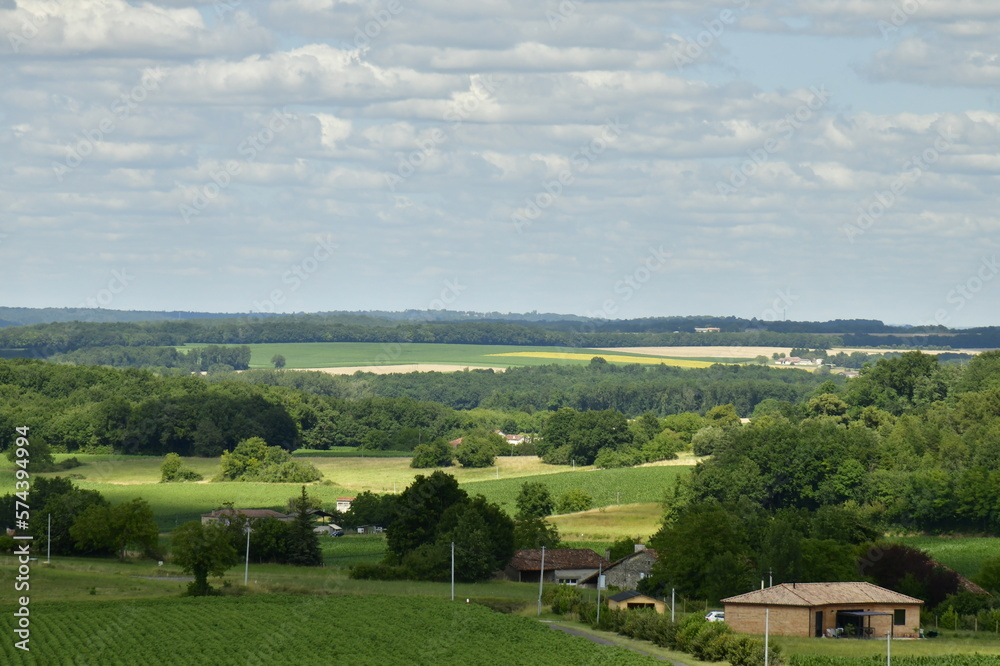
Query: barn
(825, 609)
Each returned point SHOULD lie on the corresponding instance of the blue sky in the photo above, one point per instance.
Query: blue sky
(774, 158)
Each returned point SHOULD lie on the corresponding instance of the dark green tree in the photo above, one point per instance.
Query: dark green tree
(202, 551)
(436, 453)
(534, 500)
(278, 361)
(303, 542)
(419, 509)
(114, 529)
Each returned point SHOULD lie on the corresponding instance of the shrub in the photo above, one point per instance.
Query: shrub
(709, 643)
(575, 500)
(379, 571)
(432, 454)
(253, 460)
(173, 469)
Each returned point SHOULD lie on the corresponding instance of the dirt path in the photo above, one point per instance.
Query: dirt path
(603, 641)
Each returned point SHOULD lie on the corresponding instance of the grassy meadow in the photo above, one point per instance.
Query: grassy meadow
(121, 478)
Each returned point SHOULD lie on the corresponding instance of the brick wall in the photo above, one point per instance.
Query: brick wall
(801, 621)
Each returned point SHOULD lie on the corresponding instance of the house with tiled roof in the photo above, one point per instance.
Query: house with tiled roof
(825, 609)
(562, 565)
(625, 573)
(224, 516)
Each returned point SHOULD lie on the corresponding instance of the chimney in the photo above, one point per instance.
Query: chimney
(640, 547)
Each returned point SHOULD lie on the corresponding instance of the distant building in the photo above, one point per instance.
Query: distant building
(625, 573)
(707, 329)
(562, 565)
(225, 516)
(632, 600)
(825, 609)
(344, 504)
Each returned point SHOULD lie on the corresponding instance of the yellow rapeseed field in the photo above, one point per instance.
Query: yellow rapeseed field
(613, 358)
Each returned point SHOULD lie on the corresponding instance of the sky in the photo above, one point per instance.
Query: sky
(778, 159)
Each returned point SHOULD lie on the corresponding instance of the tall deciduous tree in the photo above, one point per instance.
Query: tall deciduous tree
(202, 551)
(101, 527)
(534, 500)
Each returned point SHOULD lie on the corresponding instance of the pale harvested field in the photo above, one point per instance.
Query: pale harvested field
(751, 352)
(400, 369)
(702, 352)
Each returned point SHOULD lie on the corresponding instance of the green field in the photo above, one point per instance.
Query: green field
(285, 629)
(300, 355)
(122, 478)
(965, 555)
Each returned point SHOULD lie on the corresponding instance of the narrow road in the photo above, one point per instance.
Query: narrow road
(604, 641)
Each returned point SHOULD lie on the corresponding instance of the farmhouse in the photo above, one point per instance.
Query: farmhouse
(633, 600)
(224, 516)
(625, 573)
(825, 609)
(344, 504)
(562, 565)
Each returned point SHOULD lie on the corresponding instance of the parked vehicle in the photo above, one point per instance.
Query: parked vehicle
(716, 616)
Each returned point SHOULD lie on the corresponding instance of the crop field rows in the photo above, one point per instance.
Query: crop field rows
(295, 629)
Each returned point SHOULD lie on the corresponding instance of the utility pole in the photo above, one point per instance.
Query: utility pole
(246, 571)
(48, 542)
(541, 577)
(452, 570)
(672, 603)
(767, 626)
(599, 565)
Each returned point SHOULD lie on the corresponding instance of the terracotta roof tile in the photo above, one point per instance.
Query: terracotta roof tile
(820, 594)
(557, 558)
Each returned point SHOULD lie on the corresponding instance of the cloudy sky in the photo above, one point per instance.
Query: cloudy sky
(808, 159)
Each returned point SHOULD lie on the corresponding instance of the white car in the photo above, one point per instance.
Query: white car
(716, 616)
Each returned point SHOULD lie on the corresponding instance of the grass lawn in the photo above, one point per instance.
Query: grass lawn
(965, 554)
(300, 355)
(607, 524)
(949, 643)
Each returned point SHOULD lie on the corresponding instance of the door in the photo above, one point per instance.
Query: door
(819, 624)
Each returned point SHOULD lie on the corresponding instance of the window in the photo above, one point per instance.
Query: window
(899, 617)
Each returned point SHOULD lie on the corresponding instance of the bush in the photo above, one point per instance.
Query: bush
(433, 454)
(379, 571)
(173, 469)
(575, 500)
(709, 644)
(253, 460)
